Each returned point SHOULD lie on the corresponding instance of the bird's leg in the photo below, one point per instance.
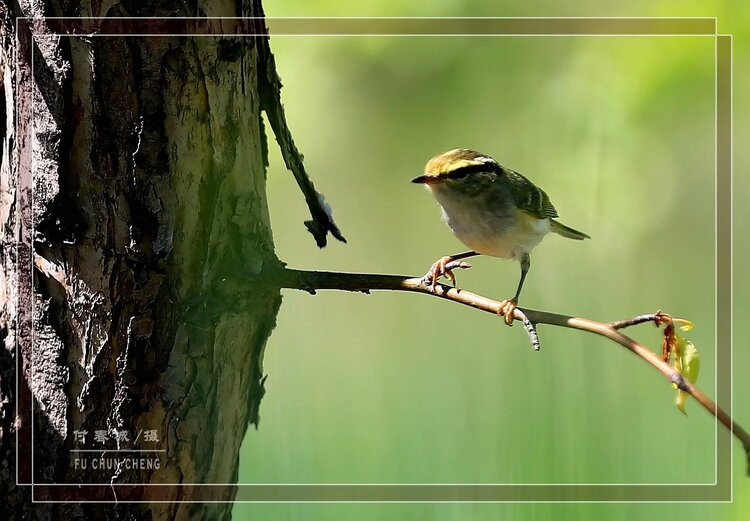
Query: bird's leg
(508, 306)
(444, 266)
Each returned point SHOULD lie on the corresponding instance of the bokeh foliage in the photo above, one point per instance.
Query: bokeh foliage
(393, 388)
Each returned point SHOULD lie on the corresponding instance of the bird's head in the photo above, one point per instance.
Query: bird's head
(458, 167)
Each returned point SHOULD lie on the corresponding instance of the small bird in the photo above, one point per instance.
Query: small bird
(493, 210)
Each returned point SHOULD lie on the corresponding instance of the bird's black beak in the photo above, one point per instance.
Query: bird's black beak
(422, 179)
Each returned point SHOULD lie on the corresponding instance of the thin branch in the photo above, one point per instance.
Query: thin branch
(311, 281)
(640, 319)
(270, 97)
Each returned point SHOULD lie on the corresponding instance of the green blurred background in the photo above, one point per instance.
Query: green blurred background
(398, 388)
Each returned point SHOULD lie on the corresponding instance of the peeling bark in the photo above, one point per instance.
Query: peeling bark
(148, 166)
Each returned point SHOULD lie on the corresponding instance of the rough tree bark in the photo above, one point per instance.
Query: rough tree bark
(148, 194)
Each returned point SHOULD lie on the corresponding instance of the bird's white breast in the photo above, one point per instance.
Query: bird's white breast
(489, 229)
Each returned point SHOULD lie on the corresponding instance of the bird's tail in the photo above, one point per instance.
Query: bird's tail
(565, 231)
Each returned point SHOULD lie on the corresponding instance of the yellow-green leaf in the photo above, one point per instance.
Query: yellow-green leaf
(689, 365)
(685, 325)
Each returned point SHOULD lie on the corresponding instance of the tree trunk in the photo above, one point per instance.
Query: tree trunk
(139, 172)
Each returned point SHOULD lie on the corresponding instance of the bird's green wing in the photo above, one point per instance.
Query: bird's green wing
(529, 197)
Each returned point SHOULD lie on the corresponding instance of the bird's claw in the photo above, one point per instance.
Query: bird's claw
(507, 309)
(443, 267)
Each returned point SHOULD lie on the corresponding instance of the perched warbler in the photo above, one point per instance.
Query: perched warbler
(491, 209)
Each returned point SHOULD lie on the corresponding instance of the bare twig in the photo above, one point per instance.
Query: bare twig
(270, 94)
(640, 319)
(311, 281)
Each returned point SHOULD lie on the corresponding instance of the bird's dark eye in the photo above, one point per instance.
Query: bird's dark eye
(463, 172)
